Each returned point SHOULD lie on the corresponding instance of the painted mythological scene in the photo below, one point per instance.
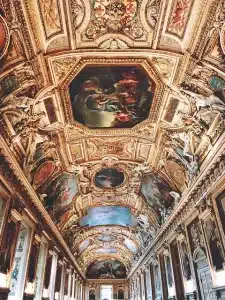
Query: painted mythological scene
(60, 194)
(106, 269)
(111, 96)
(157, 192)
(108, 215)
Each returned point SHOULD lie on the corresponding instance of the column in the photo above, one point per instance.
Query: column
(73, 287)
(41, 269)
(69, 285)
(135, 289)
(138, 287)
(148, 283)
(62, 280)
(98, 291)
(77, 289)
(126, 292)
(81, 291)
(7, 249)
(132, 296)
(20, 262)
(53, 275)
(86, 291)
(143, 285)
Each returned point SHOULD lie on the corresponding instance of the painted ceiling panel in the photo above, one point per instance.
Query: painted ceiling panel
(108, 215)
(113, 96)
(106, 269)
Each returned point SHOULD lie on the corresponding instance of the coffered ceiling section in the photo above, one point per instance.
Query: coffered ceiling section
(120, 24)
(111, 108)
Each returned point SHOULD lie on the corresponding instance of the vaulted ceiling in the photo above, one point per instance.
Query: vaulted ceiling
(111, 107)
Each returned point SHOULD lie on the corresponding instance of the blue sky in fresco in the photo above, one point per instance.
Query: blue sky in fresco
(108, 215)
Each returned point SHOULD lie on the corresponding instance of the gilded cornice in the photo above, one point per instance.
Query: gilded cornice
(212, 171)
(27, 193)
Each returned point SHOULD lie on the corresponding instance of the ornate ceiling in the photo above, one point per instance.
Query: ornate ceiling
(110, 108)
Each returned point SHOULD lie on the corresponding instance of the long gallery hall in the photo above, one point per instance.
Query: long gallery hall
(112, 149)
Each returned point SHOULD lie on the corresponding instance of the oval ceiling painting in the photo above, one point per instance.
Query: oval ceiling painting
(106, 269)
(111, 96)
(109, 178)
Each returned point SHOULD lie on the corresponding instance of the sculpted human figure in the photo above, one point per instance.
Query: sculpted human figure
(213, 101)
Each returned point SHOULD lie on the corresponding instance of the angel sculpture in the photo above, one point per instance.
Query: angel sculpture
(176, 196)
(215, 101)
(84, 177)
(12, 102)
(143, 222)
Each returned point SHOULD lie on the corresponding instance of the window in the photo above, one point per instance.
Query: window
(106, 292)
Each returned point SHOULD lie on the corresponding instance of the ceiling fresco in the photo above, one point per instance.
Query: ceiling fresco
(108, 215)
(111, 96)
(108, 178)
(111, 109)
(106, 269)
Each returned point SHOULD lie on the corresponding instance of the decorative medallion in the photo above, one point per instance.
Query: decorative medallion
(217, 82)
(175, 172)
(4, 37)
(109, 178)
(109, 15)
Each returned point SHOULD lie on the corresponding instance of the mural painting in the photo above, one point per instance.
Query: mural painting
(221, 208)
(111, 96)
(196, 236)
(109, 178)
(60, 193)
(169, 271)
(91, 294)
(108, 215)
(43, 173)
(106, 269)
(185, 260)
(157, 193)
(215, 246)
